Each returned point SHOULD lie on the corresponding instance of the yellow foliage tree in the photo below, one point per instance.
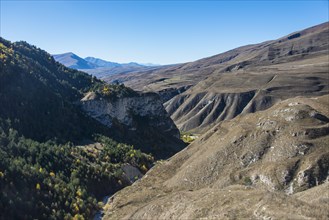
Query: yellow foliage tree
(78, 217)
(106, 90)
(144, 168)
(79, 192)
(76, 207)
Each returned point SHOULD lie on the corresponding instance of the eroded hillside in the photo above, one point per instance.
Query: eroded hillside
(271, 164)
(246, 79)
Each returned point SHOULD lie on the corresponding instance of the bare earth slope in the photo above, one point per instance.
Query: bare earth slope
(272, 164)
(246, 79)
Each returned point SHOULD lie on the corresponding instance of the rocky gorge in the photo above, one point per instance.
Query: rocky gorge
(137, 116)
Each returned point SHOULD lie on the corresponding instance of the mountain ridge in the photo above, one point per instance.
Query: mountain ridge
(99, 67)
(239, 81)
(72, 60)
(101, 63)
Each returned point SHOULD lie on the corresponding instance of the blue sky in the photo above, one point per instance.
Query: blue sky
(160, 32)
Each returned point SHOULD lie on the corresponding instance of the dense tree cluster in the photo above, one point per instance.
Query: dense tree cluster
(51, 181)
(114, 91)
(38, 94)
(44, 174)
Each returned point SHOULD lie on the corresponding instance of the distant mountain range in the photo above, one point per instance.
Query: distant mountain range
(99, 67)
(73, 61)
(101, 63)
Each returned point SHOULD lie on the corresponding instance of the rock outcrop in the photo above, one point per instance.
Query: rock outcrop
(140, 118)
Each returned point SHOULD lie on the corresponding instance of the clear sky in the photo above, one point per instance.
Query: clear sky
(160, 32)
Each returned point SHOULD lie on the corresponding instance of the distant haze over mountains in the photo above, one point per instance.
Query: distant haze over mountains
(73, 61)
(101, 63)
(99, 67)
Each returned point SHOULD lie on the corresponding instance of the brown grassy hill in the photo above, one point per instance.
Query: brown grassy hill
(224, 96)
(272, 164)
(303, 44)
(242, 80)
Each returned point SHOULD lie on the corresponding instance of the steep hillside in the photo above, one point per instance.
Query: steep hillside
(41, 98)
(37, 95)
(40, 176)
(246, 79)
(272, 164)
(60, 155)
(224, 96)
(52, 181)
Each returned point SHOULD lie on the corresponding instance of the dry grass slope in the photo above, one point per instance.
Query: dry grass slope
(272, 164)
(243, 80)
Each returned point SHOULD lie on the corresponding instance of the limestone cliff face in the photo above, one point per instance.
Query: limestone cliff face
(141, 115)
